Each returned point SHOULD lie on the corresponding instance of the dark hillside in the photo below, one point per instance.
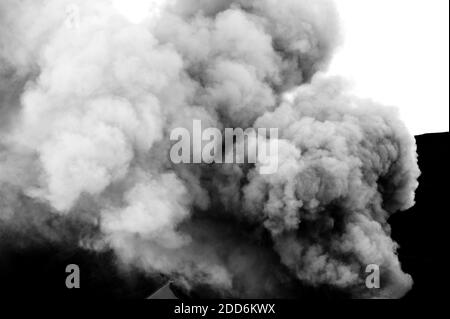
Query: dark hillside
(423, 231)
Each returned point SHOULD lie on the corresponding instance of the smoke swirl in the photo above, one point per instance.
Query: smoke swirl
(86, 110)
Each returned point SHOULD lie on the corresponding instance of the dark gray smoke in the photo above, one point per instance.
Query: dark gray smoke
(87, 103)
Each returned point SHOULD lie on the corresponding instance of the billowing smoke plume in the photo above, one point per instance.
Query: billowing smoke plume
(88, 99)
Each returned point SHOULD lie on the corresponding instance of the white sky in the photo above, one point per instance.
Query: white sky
(397, 52)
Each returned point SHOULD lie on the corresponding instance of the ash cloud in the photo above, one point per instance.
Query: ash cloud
(86, 114)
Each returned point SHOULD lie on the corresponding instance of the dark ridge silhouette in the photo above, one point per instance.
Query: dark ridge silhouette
(38, 269)
(422, 232)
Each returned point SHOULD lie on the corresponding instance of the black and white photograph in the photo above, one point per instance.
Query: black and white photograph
(225, 155)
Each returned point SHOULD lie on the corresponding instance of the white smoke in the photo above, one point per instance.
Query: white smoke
(86, 112)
